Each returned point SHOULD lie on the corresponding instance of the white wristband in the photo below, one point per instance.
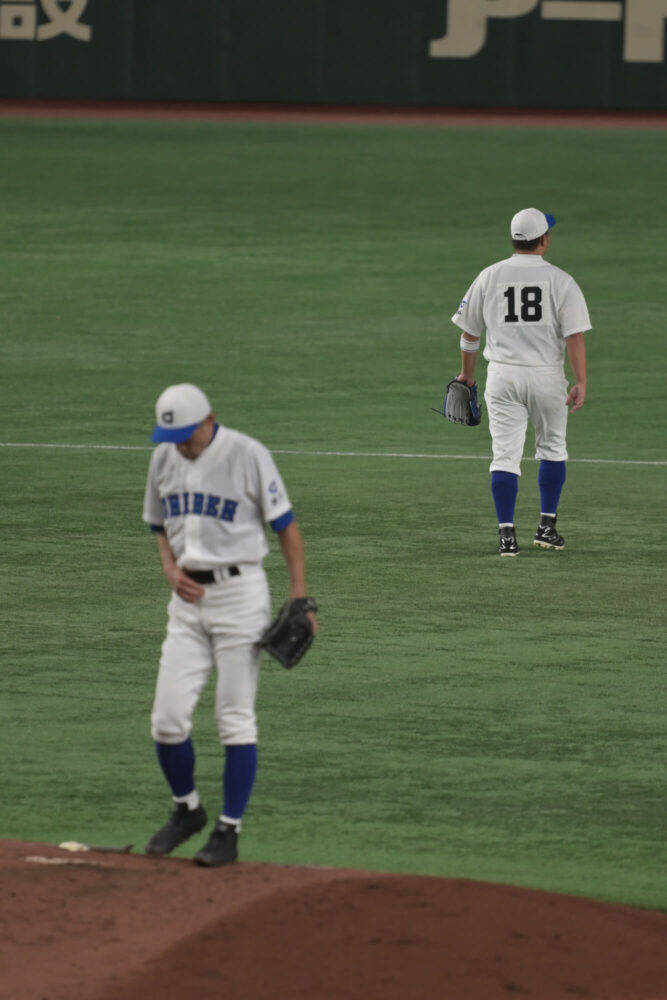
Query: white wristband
(469, 345)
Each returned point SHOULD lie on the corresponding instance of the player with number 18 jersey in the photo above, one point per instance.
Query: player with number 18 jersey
(533, 313)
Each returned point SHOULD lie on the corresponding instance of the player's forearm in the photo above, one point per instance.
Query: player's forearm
(291, 546)
(576, 353)
(178, 580)
(468, 357)
(166, 555)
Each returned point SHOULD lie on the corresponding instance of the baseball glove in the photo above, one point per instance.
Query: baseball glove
(461, 404)
(291, 635)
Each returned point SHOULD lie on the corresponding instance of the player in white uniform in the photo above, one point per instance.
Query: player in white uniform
(209, 495)
(532, 313)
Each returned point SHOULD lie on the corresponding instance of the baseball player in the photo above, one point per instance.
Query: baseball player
(532, 313)
(209, 495)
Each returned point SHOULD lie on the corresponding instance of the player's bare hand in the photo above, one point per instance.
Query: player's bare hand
(190, 590)
(313, 621)
(576, 396)
(186, 588)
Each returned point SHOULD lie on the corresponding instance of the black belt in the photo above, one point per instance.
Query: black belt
(208, 576)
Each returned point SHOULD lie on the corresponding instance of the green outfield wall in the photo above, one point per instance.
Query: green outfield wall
(521, 53)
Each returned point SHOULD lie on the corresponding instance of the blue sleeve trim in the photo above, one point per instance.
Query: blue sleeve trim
(157, 527)
(281, 523)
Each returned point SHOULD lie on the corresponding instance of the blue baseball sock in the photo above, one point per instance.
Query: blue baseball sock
(178, 765)
(238, 779)
(504, 487)
(550, 479)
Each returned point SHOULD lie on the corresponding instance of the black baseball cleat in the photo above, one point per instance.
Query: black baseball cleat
(546, 536)
(507, 543)
(182, 824)
(221, 848)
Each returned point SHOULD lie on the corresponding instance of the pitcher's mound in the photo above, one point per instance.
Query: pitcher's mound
(98, 926)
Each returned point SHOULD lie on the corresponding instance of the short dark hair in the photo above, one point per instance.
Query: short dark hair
(526, 244)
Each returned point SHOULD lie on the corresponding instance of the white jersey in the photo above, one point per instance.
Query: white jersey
(214, 509)
(527, 307)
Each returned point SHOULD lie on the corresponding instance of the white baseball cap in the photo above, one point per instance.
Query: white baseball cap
(530, 224)
(179, 411)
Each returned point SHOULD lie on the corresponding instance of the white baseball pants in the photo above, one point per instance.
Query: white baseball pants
(515, 394)
(221, 630)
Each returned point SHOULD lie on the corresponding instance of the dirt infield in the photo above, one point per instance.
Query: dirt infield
(348, 114)
(99, 926)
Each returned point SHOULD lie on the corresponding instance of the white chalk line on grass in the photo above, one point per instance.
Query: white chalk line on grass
(332, 454)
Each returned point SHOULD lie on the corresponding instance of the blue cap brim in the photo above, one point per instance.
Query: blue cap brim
(550, 220)
(172, 434)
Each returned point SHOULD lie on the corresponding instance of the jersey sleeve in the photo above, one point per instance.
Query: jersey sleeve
(152, 513)
(573, 313)
(272, 495)
(470, 314)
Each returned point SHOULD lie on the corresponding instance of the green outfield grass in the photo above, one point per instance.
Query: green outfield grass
(459, 714)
